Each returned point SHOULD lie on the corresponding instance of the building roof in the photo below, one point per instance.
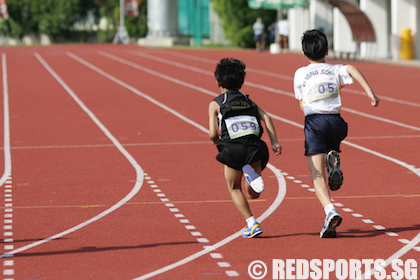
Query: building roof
(360, 24)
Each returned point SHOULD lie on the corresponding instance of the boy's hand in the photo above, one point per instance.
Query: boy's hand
(276, 148)
(374, 100)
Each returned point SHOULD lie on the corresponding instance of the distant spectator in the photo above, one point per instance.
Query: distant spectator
(272, 28)
(284, 26)
(259, 35)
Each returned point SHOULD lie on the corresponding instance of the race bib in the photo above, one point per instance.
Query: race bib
(322, 91)
(240, 126)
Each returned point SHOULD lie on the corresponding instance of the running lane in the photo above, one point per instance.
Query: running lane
(63, 162)
(379, 184)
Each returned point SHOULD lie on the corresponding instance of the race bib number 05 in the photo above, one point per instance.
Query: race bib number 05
(240, 126)
(322, 91)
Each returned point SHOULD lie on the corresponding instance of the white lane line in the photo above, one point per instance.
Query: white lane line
(7, 227)
(213, 62)
(380, 119)
(409, 103)
(136, 91)
(110, 145)
(259, 86)
(396, 161)
(6, 125)
(203, 240)
(136, 166)
(8, 269)
(216, 255)
(185, 143)
(395, 256)
(189, 227)
(382, 228)
(207, 249)
(410, 167)
(223, 264)
(223, 242)
(379, 227)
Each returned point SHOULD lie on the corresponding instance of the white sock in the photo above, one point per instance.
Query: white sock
(329, 208)
(251, 221)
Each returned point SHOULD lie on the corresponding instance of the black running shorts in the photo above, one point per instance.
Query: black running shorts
(239, 152)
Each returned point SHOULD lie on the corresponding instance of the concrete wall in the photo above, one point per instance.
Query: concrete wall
(377, 11)
(342, 34)
(299, 22)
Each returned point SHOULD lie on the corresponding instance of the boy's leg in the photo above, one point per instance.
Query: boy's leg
(233, 179)
(333, 219)
(316, 164)
(286, 43)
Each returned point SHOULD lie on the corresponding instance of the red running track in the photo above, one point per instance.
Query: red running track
(109, 172)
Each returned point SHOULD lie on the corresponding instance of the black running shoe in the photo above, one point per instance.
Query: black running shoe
(335, 176)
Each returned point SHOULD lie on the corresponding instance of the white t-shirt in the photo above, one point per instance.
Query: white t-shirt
(318, 85)
(258, 28)
(283, 26)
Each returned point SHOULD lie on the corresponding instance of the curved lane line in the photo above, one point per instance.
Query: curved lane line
(281, 181)
(280, 197)
(403, 164)
(395, 256)
(131, 194)
(7, 155)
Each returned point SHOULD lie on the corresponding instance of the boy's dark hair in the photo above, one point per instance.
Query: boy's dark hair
(230, 73)
(314, 44)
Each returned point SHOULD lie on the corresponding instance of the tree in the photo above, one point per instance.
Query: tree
(237, 20)
(44, 16)
(110, 10)
(57, 17)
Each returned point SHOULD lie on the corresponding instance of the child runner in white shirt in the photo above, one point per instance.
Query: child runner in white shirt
(317, 87)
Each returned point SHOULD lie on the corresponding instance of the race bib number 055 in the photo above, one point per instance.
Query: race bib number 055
(240, 126)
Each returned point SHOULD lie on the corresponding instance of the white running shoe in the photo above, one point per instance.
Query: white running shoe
(253, 178)
(332, 220)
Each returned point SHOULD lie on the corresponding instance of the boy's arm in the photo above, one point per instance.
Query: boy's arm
(356, 74)
(271, 131)
(213, 122)
(302, 103)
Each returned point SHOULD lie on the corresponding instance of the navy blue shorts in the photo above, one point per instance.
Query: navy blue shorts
(324, 132)
(259, 38)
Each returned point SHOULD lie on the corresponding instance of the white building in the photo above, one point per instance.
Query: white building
(367, 28)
